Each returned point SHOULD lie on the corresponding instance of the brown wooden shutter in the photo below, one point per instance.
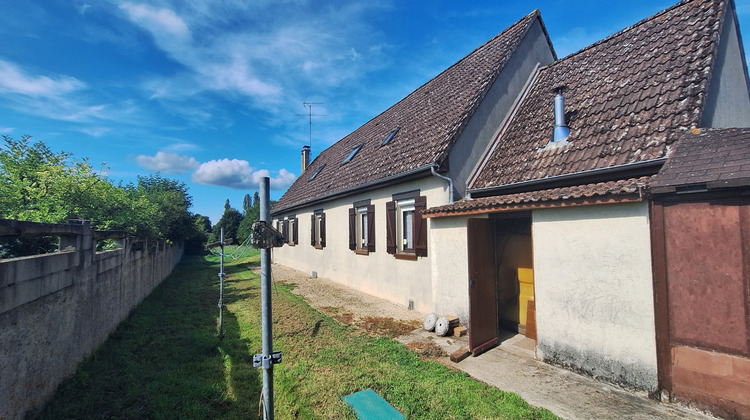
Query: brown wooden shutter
(390, 227)
(322, 230)
(312, 229)
(352, 228)
(371, 228)
(285, 230)
(420, 226)
(295, 231)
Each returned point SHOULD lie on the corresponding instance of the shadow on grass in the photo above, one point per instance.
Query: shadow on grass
(166, 360)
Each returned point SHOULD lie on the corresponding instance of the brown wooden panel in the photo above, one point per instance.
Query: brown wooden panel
(483, 329)
(706, 285)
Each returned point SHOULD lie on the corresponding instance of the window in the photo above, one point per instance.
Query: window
(317, 171)
(389, 137)
(318, 229)
(406, 229)
(351, 154)
(292, 231)
(362, 227)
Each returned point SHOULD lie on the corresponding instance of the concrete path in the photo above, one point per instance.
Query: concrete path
(511, 367)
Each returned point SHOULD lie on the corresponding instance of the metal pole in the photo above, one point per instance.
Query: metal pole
(221, 286)
(265, 295)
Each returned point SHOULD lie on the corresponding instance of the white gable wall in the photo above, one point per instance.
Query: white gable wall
(379, 273)
(594, 295)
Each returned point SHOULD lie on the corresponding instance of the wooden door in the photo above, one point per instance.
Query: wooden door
(483, 319)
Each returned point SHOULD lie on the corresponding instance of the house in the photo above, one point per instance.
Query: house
(549, 231)
(361, 198)
(575, 210)
(701, 252)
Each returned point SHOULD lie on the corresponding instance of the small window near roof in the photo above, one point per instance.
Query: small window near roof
(389, 137)
(351, 154)
(317, 171)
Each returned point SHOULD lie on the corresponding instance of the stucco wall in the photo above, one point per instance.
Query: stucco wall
(379, 273)
(43, 336)
(594, 297)
(534, 50)
(450, 267)
(728, 99)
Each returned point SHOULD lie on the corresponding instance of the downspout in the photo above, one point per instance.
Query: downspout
(450, 182)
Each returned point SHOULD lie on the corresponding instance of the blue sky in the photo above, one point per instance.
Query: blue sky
(211, 92)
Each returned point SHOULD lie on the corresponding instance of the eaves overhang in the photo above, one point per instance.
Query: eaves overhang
(628, 170)
(410, 175)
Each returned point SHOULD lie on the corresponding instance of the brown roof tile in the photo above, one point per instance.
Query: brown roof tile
(430, 119)
(714, 158)
(628, 98)
(625, 187)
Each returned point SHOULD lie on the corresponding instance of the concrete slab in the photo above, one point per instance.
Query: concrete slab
(511, 367)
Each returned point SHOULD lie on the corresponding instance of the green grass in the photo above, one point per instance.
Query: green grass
(165, 361)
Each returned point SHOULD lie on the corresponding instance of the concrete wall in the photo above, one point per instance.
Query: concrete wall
(58, 308)
(594, 294)
(533, 51)
(728, 99)
(379, 273)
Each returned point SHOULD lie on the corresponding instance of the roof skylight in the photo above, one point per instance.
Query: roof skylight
(390, 135)
(317, 171)
(351, 154)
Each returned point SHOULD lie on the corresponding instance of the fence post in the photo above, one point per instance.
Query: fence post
(266, 312)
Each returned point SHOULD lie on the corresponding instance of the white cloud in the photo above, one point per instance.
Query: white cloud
(164, 24)
(238, 174)
(169, 163)
(14, 80)
(6, 130)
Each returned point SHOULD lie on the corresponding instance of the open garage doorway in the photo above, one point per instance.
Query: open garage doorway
(501, 279)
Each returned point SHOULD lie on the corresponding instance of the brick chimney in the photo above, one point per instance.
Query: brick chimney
(305, 157)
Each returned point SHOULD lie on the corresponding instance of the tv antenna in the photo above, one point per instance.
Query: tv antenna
(309, 115)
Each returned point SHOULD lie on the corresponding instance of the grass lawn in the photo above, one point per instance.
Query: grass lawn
(166, 361)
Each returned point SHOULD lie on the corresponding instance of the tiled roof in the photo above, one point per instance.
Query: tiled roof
(625, 187)
(627, 98)
(430, 119)
(710, 158)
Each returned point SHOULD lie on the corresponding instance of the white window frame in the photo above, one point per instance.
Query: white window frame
(403, 233)
(361, 225)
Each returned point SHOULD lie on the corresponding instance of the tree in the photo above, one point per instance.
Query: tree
(230, 222)
(37, 184)
(247, 203)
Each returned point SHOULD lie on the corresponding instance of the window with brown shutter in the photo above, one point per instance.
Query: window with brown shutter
(352, 228)
(295, 231)
(406, 229)
(371, 228)
(318, 229)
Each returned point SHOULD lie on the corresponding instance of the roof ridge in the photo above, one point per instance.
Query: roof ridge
(627, 29)
(530, 16)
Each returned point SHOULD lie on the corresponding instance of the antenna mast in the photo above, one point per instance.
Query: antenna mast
(309, 115)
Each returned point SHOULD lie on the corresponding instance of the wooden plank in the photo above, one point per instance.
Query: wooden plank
(460, 354)
(459, 331)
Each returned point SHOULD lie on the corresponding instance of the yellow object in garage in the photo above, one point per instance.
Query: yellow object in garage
(526, 292)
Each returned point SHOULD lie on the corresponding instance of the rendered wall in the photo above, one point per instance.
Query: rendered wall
(488, 119)
(728, 99)
(594, 294)
(450, 267)
(379, 273)
(42, 340)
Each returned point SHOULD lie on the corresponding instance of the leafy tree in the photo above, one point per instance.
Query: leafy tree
(39, 185)
(247, 203)
(202, 231)
(230, 222)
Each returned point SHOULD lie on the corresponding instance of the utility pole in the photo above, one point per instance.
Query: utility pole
(264, 238)
(221, 286)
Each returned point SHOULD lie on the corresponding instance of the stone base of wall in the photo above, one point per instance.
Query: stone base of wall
(713, 381)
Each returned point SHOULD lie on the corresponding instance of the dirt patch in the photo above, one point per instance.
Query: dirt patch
(373, 315)
(427, 349)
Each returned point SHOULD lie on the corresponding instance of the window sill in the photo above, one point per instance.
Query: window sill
(317, 247)
(290, 243)
(361, 252)
(405, 256)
